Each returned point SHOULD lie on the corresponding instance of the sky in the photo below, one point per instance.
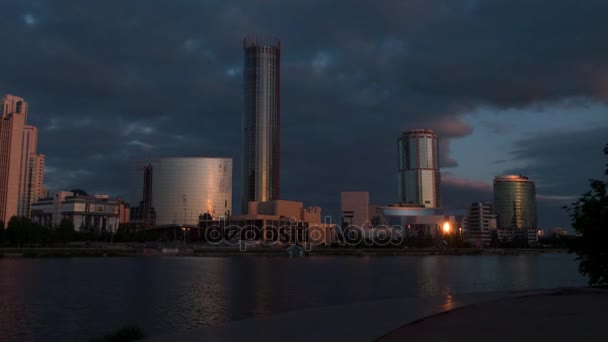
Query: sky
(514, 86)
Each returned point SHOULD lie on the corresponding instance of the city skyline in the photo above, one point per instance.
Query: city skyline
(345, 98)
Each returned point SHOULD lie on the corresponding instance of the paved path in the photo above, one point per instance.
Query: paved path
(565, 315)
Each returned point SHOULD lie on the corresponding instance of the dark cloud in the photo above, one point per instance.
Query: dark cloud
(109, 81)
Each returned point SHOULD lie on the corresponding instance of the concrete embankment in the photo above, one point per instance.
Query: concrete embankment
(111, 251)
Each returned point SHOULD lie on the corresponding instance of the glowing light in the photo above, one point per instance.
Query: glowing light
(446, 227)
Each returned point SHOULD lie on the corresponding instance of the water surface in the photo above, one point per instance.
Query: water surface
(80, 298)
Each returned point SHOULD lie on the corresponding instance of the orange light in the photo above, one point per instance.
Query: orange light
(446, 227)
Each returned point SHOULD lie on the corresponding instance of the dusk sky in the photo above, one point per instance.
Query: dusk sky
(509, 86)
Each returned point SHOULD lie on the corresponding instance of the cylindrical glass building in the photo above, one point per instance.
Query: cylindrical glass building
(419, 177)
(515, 203)
(261, 120)
(167, 191)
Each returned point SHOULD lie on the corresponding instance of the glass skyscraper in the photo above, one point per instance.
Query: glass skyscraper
(515, 203)
(261, 120)
(419, 177)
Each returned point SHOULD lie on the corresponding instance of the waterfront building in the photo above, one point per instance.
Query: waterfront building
(177, 191)
(88, 213)
(515, 207)
(417, 220)
(559, 232)
(289, 216)
(418, 161)
(480, 224)
(21, 168)
(355, 209)
(261, 120)
(291, 210)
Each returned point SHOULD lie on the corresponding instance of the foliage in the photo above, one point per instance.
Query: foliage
(589, 217)
(125, 334)
(65, 232)
(2, 233)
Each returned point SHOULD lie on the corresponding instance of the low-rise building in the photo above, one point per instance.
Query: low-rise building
(355, 209)
(285, 209)
(93, 213)
(287, 221)
(416, 220)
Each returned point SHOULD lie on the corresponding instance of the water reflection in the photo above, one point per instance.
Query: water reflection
(76, 299)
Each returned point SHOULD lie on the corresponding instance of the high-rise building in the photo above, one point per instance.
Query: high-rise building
(261, 120)
(419, 177)
(21, 168)
(31, 186)
(169, 191)
(515, 207)
(480, 223)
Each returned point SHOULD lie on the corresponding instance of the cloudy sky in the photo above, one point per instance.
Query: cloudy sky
(510, 86)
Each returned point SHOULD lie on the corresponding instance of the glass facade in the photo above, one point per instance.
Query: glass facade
(419, 177)
(179, 190)
(261, 120)
(515, 202)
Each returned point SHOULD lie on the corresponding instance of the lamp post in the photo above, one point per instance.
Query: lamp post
(184, 229)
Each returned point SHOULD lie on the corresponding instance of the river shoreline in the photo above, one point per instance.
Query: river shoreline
(107, 251)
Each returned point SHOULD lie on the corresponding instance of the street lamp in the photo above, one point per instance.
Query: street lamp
(184, 229)
(446, 228)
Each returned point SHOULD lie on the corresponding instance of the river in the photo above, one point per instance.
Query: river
(81, 298)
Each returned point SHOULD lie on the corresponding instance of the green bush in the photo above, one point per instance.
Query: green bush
(124, 334)
(589, 217)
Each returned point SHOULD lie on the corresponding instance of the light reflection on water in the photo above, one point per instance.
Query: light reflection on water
(80, 298)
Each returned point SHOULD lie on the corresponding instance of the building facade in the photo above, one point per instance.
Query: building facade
(416, 220)
(261, 121)
(515, 207)
(290, 210)
(88, 213)
(177, 191)
(419, 177)
(21, 168)
(355, 209)
(480, 224)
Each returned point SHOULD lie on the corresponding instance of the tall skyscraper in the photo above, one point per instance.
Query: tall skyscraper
(261, 120)
(419, 177)
(21, 168)
(515, 206)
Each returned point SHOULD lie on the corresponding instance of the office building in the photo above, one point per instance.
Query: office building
(21, 168)
(261, 121)
(176, 191)
(419, 177)
(88, 213)
(416, 220)
(480, 224)
(515, 207)
(355, 209)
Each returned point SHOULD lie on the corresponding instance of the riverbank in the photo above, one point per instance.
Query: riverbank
(562, 315)
(537, 315)
(126, 251)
